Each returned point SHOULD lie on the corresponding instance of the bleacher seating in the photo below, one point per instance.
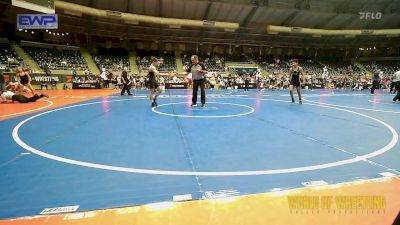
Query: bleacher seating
(213, 63)
(244, 71)
(387, 67)
(112, 59)
(236, 59)
(310, 67)
(8, 58)
(55, 59)
(282, 66)
(273, 65)
(342, 68)
(166, 61)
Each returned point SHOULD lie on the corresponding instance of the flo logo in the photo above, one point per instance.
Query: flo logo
(370, 15)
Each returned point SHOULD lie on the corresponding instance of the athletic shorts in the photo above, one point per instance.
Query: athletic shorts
(153, 84)
(295, 83)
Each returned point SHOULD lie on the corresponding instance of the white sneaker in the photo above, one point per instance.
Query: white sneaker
(193, 105)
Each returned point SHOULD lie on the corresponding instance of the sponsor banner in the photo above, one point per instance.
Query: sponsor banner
(37, 79)
(251, 86)
(44, 78)
(56, 210)
(176, 85)
(86, 86)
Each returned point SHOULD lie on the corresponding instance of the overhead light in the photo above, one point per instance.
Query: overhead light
(62, 34)
(58, 34)
(67, 33)
(26, 31)
(47, 30)
(33, 32)
(19, 29)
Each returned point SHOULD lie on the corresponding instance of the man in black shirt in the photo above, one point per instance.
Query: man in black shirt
(375, 82)
(126, 83)
(246, 82)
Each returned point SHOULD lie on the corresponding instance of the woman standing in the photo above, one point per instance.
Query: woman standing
(24, 79)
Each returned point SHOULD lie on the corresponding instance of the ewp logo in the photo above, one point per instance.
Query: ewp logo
(37, 21)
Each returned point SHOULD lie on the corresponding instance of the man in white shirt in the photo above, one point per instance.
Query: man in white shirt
(396, 82)
(258, 78)
(104, 77)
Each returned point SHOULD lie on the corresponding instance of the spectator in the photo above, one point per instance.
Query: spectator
(2, 82)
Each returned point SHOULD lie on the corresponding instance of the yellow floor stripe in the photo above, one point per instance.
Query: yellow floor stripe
(259, 209)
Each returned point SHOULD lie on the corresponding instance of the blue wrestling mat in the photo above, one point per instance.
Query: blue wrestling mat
(118, 151)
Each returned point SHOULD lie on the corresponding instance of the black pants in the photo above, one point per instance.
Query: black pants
(375, 85)
(202, 84)
(392, 87)
(126, 88)
(259, 84)
(396, 87)
(105, 83)
(246, 85)
(397, 97)
(24, 99)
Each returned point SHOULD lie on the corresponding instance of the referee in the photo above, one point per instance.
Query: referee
(396, 82)
(126, 83)
(375, 82)
(198, 71)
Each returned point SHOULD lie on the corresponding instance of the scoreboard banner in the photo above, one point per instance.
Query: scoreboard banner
(39, 78)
